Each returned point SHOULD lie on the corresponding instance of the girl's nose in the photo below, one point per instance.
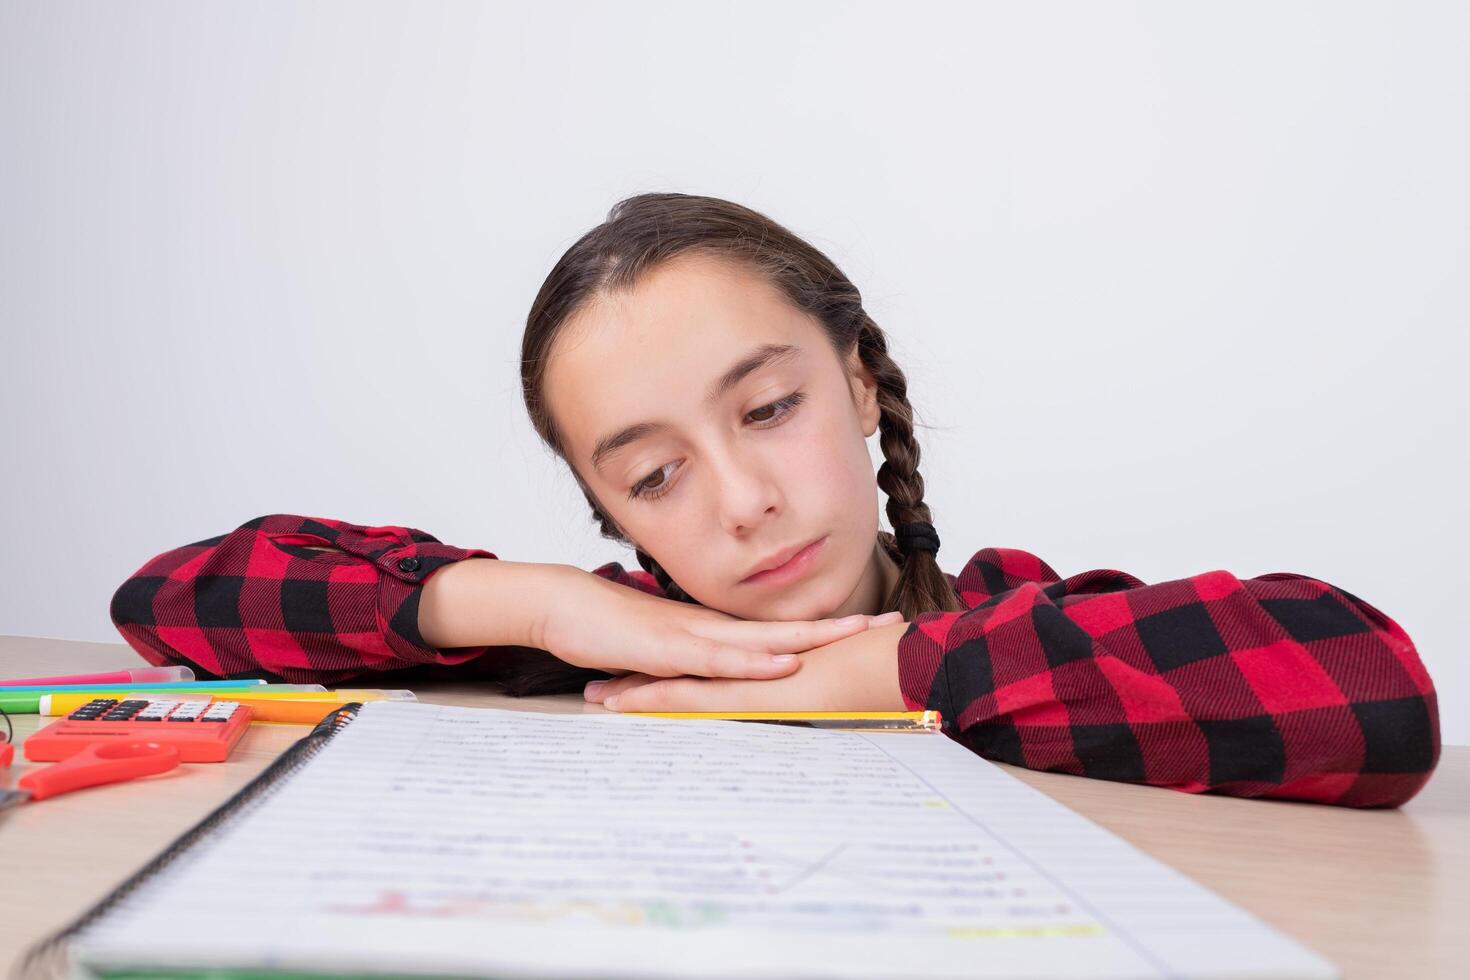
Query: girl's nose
(749, 494)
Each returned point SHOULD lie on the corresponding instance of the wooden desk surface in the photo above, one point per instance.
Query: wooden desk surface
(1379, 892)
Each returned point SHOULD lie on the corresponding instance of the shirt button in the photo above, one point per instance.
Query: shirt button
(408, 564)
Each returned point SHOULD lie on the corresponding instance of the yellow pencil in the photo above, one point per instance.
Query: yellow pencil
(898, 721)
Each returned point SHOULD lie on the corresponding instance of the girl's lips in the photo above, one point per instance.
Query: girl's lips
(796, 566)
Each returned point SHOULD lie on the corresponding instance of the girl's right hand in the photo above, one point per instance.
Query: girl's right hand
(593, 622)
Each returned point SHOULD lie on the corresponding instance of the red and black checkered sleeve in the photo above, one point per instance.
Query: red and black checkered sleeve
(1277, 686)
(263, 601)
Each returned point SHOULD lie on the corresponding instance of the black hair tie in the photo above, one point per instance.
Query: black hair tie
(917, 536)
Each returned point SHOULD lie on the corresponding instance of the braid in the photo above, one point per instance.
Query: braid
(670, 587)
(922, 585)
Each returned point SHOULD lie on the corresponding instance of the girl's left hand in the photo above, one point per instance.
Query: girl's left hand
(856, 673)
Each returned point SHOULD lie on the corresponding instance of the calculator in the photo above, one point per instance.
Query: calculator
(202, 731)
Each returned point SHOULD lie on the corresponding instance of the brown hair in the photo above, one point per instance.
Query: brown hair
(642, 231)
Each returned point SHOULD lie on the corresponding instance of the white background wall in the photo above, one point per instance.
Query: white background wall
(1179, 287)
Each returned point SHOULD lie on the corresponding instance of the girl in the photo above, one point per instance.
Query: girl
(710, 380)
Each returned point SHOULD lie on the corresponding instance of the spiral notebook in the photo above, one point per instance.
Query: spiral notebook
(411, 839)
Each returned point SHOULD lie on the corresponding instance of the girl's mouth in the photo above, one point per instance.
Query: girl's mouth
(795, 567)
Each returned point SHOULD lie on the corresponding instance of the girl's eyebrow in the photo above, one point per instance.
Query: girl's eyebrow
(762, 356)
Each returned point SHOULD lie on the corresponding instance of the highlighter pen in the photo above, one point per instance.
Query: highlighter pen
(24, 700)
(293, 712)
(27, 700)
(896, 721)
(290, 712)
(242, 686)
(162, 675)
(65, 704)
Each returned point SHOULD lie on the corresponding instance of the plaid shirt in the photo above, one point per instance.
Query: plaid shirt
(1279, 685)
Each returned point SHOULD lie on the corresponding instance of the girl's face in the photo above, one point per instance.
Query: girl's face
(715, 464)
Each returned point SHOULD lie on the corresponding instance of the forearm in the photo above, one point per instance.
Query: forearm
(484, 601)
(863, 670)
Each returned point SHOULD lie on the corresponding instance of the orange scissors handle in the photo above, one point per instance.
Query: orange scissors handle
(108, 762)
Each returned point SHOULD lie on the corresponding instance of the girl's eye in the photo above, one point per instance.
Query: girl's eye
(780, 409)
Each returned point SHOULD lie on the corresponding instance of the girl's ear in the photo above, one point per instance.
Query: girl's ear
(864, 391)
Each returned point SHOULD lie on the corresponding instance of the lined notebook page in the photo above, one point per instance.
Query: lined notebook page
(468, 841)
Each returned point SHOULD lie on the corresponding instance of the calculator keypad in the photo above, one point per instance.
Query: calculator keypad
(219, 711)
(110, 709)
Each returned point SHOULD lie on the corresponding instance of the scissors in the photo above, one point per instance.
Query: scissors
(102, 762)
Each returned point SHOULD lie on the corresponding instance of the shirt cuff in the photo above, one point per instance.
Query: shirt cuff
(400, 586)
(922, 679)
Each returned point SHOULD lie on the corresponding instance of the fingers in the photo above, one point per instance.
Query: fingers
(704, 656)
(796, 636)
(662, 694)
(597, 692)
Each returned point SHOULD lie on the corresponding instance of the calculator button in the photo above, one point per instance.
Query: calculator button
(188, 711)
(156, 711)
(220, 711)
(93, 708)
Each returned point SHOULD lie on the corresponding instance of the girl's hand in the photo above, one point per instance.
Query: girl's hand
(856, 673)
(592, 622)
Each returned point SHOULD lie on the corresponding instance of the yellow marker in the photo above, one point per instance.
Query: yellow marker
(898, 721)
(65, 704)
